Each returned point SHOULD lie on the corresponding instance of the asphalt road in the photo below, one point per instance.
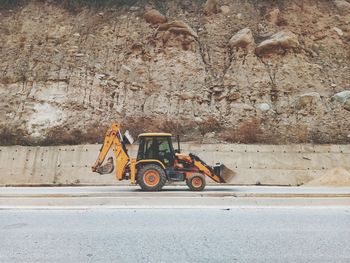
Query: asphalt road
(176, 235)
(170, 197)
(218, 190)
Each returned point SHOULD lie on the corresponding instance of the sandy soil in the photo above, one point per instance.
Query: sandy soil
(334, 177)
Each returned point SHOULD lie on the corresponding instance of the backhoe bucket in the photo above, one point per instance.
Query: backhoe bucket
(106, 168)
(225, 174)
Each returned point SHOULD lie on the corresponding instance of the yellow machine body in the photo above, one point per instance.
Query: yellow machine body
(156, 163)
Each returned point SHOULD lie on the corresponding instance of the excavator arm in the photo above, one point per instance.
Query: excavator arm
(113, 138)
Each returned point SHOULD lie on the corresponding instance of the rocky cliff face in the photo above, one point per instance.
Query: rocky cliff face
(241, 71)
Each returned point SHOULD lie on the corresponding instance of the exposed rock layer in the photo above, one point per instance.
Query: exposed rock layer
(78, 71)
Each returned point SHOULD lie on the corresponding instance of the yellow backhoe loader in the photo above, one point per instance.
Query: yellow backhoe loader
(157, 162)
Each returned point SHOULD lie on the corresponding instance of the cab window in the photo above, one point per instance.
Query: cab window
(158, 148)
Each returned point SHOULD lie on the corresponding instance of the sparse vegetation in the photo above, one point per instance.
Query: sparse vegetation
(161, 6)
(72, 5)
(210, 124)
(5, 80)
(318, 137)
(13, 136)
(22, 71)
(141, 124)
(76, 5)
(250, 131)
(8, 4)
(55, 136)
(62, 136)
(278, 3)
(301, 133)
(173, 126)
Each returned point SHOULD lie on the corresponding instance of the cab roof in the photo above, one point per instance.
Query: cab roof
(155, 134)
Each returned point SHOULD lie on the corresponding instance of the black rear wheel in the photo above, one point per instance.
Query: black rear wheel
(151, 177)
(196, 182)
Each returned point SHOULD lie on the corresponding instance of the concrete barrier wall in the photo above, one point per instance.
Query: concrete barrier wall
(254, 164)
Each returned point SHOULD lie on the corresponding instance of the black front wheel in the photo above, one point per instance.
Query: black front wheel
(151, 177)
(196, 182)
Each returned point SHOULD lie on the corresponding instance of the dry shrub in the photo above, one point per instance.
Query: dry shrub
(273, 135)
(6, 80)
(8, 4)
(62, 135)
(210, 124)
(183, 127)
(139, 125)
(13, 136)
(249, 131)
(55, 136)
(301, 133)
(271, 3)
(319, 137)
(175, 127)
(75, 6)
(22, 71)
(95, 134)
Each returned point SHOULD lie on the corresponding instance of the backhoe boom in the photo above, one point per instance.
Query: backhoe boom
(113, 137)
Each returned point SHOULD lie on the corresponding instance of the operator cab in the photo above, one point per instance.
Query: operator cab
(156, 146)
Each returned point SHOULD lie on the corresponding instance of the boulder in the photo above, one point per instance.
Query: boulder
(247, 107)
(281, 40)
(178, 27)
(217, 89)
(263, 107)
(154, 17)
(134, 8)
(242, 38)
(233, 96)
(307, 99)
(186, 96)
(211, 7)
(338, 31)
(342, 96)
(210, 135)
(125, 68)
(273, 16)
(225, 9)
(241, 106)
(343, 6)
(347, 105)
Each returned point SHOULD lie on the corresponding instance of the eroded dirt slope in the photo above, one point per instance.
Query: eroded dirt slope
(241, 71)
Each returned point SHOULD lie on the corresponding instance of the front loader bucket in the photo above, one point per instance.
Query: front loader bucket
(225, 174)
